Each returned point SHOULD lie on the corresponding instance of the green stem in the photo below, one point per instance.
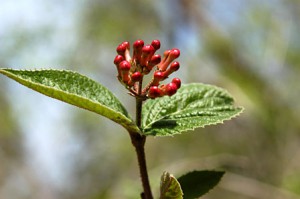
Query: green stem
(138, 142)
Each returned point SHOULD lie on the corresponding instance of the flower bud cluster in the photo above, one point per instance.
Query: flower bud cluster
(131, 70)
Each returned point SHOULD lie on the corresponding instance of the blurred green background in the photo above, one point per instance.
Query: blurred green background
(52, 150)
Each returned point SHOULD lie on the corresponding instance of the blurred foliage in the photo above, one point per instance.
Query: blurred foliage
(10, 142)
(250, 48)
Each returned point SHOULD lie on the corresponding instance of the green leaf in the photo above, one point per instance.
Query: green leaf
(198, 183)
(194, 105)
(169, 187)
(76, 89)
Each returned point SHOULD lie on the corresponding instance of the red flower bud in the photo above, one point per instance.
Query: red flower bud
(118, 59)
(177, 81)
(126, 44)
(124, 66)
(173, 67)
(147, 52)
(121, 49)
(155, 59)
(175, 53)
(137, 50)
(154, 92)
(157, 77)
(131, 71)
(156, 44)
(138, 44)
(169, 56)
(171, 89)
(137, 76)
(163, 65)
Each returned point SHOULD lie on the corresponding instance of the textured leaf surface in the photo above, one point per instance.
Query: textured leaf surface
(169, 187)
(194, 105)
(198, 183)
(75, 89)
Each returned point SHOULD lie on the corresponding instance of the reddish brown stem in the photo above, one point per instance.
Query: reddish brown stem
(138, 142)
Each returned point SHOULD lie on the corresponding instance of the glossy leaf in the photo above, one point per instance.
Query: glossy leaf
(76, 89)
(198, 183)
(194, 105)
(169, 187)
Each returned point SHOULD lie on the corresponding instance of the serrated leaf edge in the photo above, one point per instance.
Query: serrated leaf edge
(209, 124)
(184, 92)
(126, 122)
(241, 109)
(223, 172)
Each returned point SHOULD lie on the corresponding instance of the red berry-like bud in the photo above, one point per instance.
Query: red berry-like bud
(124, 66)
(138, 44)
(121, 49)
(137, 50)
(171, 89)
(155, 59)
(148, 49)
(175, 53)
(157, 77)
(156, 44)
(126, 44)
(163, 64)
(147, 52)
(118, 59)
(132, 70)
(174, 66)
(137, 76)
(177, 81)
(169, 56)
(154, 92)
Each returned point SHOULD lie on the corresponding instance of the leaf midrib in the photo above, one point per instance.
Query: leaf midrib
(177, 112)
(60, 91)
(125, 121)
